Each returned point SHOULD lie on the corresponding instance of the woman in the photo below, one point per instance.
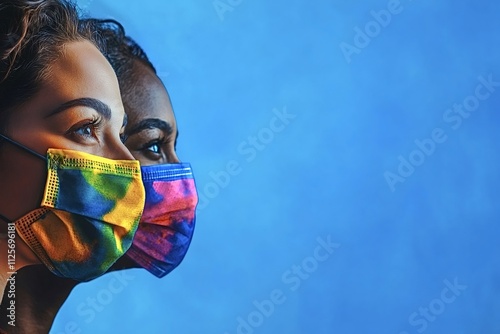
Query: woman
(61, 118)
(167, 224)
(150, 134)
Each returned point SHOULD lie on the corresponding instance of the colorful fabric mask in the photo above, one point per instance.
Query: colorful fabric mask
(90, 211)
(167, 224)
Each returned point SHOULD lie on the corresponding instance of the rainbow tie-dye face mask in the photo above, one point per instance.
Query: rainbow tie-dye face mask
(167, 224)
(90, 211)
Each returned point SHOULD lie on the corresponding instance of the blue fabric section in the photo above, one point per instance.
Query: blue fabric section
(152, 197)
(78, 201)
(166, 172)
(179, 241)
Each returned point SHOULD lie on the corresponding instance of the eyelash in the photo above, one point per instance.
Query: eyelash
(159, 141)
(92, 124)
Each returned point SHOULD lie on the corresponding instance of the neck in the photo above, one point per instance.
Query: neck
(14, 255)
(39, 295)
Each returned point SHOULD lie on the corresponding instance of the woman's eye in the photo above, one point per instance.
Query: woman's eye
(151, 147)
(86, 130)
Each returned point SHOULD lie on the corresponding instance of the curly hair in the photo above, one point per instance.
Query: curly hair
(32, 36)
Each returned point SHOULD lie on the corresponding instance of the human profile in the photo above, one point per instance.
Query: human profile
(70, 188)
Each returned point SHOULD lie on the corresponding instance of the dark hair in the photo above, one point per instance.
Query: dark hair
(120, 50)
(32, 34)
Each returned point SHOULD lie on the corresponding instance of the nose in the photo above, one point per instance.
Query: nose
(172, 158)
(118, 151)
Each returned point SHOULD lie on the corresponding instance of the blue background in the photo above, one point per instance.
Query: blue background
(323, 174)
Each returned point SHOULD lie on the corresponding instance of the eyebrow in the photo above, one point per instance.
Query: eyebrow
(151, 123)
(99, 106)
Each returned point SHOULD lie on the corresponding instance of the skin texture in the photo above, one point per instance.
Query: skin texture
(151, 131)
(80, 72)
(150, 142)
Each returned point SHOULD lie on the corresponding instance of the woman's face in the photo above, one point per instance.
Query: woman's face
(78, 107)
(151, 131)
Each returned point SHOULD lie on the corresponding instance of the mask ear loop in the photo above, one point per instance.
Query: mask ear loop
(2, 217)
(23, 147)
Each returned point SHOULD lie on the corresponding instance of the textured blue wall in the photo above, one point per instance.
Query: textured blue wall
(346, 156)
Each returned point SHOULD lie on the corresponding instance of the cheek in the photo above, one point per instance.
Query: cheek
(30, 175)
(25, 182)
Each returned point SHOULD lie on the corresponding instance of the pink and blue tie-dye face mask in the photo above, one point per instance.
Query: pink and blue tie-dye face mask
(167, 224)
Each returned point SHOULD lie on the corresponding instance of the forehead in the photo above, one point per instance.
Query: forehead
(83, 71)
(80, 71)
(146, 97)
